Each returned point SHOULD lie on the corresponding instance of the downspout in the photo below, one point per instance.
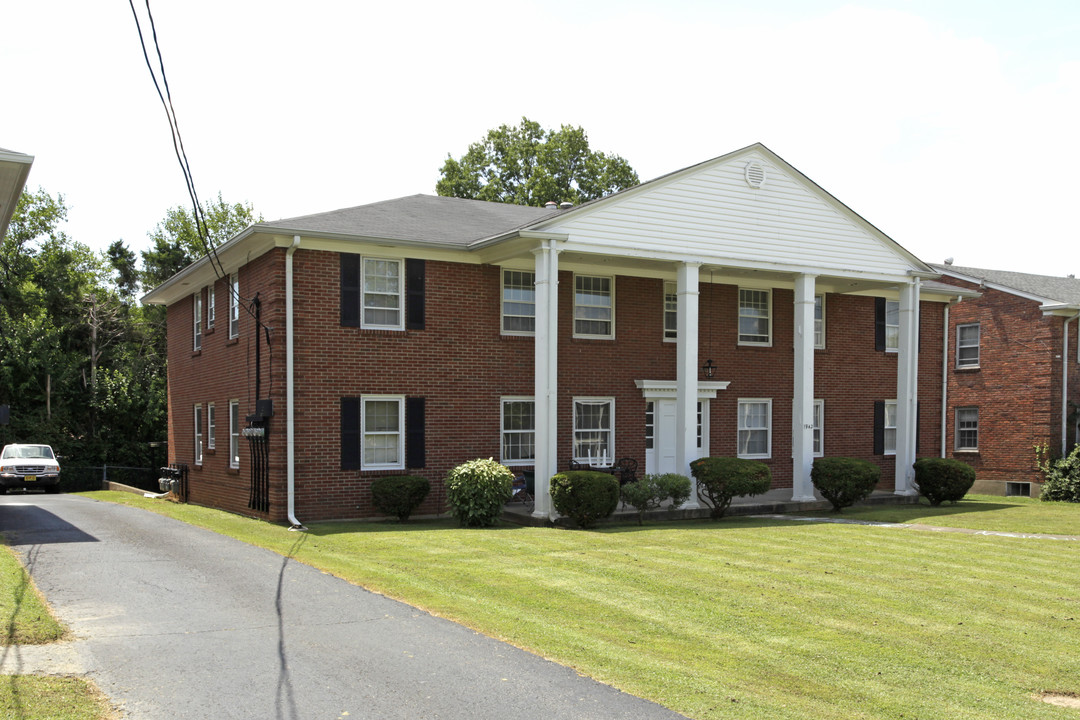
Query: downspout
(290, 415)
(1065, 384)
(945, 379)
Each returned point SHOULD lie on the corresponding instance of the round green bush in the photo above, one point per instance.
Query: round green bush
(585, 496)
(477, 491)
(651, 491)
(943, 479)
(399, 495)
(722, 478)
(844, 481)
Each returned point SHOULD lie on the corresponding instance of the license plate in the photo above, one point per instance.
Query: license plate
(30, 478)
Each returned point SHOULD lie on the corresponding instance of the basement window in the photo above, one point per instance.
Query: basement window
(1018, 489)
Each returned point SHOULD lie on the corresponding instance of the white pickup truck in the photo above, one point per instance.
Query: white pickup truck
(29, 466)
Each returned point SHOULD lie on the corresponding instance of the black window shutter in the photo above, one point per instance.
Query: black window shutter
(414, 294)
(879, 323)
(350, 290)
(350, 433)
(879, 427)
(415, 455)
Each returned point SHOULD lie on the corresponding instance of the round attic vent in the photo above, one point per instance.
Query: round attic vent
(755, 174)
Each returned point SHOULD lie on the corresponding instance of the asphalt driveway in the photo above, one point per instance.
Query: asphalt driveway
(176, 622)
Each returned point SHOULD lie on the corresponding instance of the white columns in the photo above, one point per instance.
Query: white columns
(686, 375)
(907, 383)
(546, 375)
(802, 410)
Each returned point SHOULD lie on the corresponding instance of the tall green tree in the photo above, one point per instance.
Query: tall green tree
(527, 165)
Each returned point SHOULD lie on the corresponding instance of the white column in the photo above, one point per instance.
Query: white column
(686, 375)
(802, 410)
(545, 380)
(906, 388)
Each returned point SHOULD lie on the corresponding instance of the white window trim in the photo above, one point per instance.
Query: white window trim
(885, 427)
(821, 345)
(956, 426)
(234, 305)
(768, 428)
(611, 335)
(978, 346)
(197, 422)
(400, 400)
(503, 431)
(674, 291)
(211, 427)
(502, 304)
(197, 318)
(211, 306)
(610, 431)
(769, 311)
(364, 324)
(892, 348)
(234, 434)
(819, 407)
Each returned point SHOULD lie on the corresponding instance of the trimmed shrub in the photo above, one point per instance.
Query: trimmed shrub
(1061, 476)
(399, 495)
(844, 481)
(943, 479)
(585, 495)
(722, 478)
(477, 491)
(650, 492)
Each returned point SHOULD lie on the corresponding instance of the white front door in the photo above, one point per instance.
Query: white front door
(660, 440)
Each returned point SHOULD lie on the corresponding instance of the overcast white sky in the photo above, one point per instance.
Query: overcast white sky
(951, 125)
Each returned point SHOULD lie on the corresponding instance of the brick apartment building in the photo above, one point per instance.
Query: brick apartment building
(1013, 374)
(730, 308)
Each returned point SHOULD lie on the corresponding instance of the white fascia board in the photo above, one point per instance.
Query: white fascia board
(1060, 309)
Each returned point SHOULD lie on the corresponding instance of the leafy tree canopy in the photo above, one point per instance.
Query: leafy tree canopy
(527, 165)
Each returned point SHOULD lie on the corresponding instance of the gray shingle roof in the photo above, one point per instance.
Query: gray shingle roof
(1059, 289)
(417, 218)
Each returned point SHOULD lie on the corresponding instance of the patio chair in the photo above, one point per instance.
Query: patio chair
(626, 469)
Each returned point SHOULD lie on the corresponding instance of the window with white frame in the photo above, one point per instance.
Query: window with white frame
(819, 322)
(197, 312)
(234, 305)
(671, 310)
(518, 302)
(819, 424)
(967, 429)
(892, 325)
(755, 424)
(967, 345)
(518, 431)
(755, 326)
(211, 427)
(594, 430)
(383, 294)
(890, 427)
(211, 306)
(594, 307)
(234, 433)
(382, 424)
(198, 435)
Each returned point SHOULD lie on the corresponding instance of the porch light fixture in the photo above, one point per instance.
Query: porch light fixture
(708, 368)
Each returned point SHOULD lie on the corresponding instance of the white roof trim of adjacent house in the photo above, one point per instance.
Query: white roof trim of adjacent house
(14, 171)
(1041, 299)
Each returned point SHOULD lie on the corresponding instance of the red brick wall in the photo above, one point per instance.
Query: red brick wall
(462, 365)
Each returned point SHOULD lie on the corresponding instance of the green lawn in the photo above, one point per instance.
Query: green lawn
(745, 618)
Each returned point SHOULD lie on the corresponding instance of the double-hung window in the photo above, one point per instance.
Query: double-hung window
(892, 325)
(819, 322)
(594, 306)
(234, 305)
(890, 427)
(819, 425)
(967, 345)
(198, 435)
(211, 427)
(518, 431)
(967, 429)
(518, 302)
(671, 310)
(755, 425)
(382, 294)
(211, 306)
(755, 317)
(197, 311)
(382, 428)
(234, 433)
(594, 430)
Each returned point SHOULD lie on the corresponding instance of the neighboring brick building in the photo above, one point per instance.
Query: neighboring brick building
(731, 308)
(1013, 374)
